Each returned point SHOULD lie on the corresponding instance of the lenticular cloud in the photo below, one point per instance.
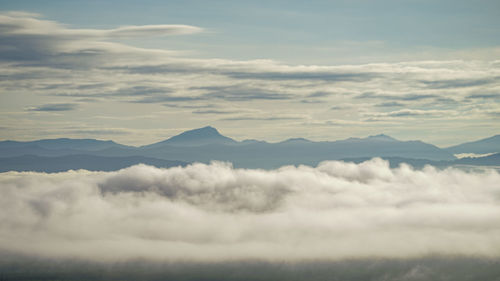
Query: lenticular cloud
(215, 212)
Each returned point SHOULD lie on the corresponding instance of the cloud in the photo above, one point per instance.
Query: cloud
(484, 96)
(459, 83)
(405, 113)
(410, 112)
(314, 101)
(184, 106)
(390, 104)
(399, 97)
(54, 107)
(472, 155)
(150, 94)
(329, 76)
(166, 98)
(319, 94)
(265, 70)
(20, 23)
(214, 111)
(338, 107)
(49, 59)
(240, 93)
(28, 39)
(263, 118)
(107, 131)
(151, 30)
(217, 213)
(141, 91)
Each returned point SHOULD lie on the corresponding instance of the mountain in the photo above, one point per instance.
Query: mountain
(250, 141)
(197, 137)
(295, 141)
(380, 137)
(255, 154)
(483, 146)
(207, 144)
(55, 147)
(74, 162)
(385, 146)
(492, 161)
(63, 143)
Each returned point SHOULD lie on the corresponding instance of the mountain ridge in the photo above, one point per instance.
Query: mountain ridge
(79, 161)
(481, 146)
(196, 137)
(207, 144)
(215, 133)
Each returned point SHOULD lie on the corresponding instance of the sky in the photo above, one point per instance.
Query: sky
(138, 72)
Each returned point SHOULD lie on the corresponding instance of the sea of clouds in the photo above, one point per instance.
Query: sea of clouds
(217, 213)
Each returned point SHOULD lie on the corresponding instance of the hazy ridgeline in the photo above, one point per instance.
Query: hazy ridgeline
(207, 144)
(437, 268)
(340, 221)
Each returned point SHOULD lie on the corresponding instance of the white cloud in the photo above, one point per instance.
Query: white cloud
(215, 212)
(22, 23)
(152, 30)
(471, 155)
(36, 54)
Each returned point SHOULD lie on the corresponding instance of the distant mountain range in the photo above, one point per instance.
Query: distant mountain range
(207, 144)
(79, 161)
(197, 137)
(488, 145)
(492, 160)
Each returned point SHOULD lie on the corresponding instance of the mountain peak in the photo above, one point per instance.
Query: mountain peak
(482, 146)
(297, 140)
(381, 137)
(196, 137)
(202, 132)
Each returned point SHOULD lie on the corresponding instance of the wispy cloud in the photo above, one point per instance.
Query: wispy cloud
(214, 111)
(31, 40)
(149, 30)
(329, 76)
(459, 83)
(261, 118)
(240, 93)
(54, 107)
(397, 96)
(405, 113)
(390, 104)
(48, 59)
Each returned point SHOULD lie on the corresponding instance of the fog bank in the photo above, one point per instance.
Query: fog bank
(215, 213)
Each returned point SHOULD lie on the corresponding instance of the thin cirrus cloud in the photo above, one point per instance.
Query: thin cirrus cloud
(54, 107)
(333, 211)
(397, 96)
(412, 112)
(263, 118)
(458, 83)
(214, 111)
(390, 104)
(15, 23)
(405, 113)
(26, 37)
(151, 30)
(37, 54)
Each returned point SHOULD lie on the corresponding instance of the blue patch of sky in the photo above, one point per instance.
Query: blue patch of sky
(248, 29)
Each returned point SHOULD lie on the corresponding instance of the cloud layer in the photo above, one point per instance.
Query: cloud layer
(215, 213)
(45, 62)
